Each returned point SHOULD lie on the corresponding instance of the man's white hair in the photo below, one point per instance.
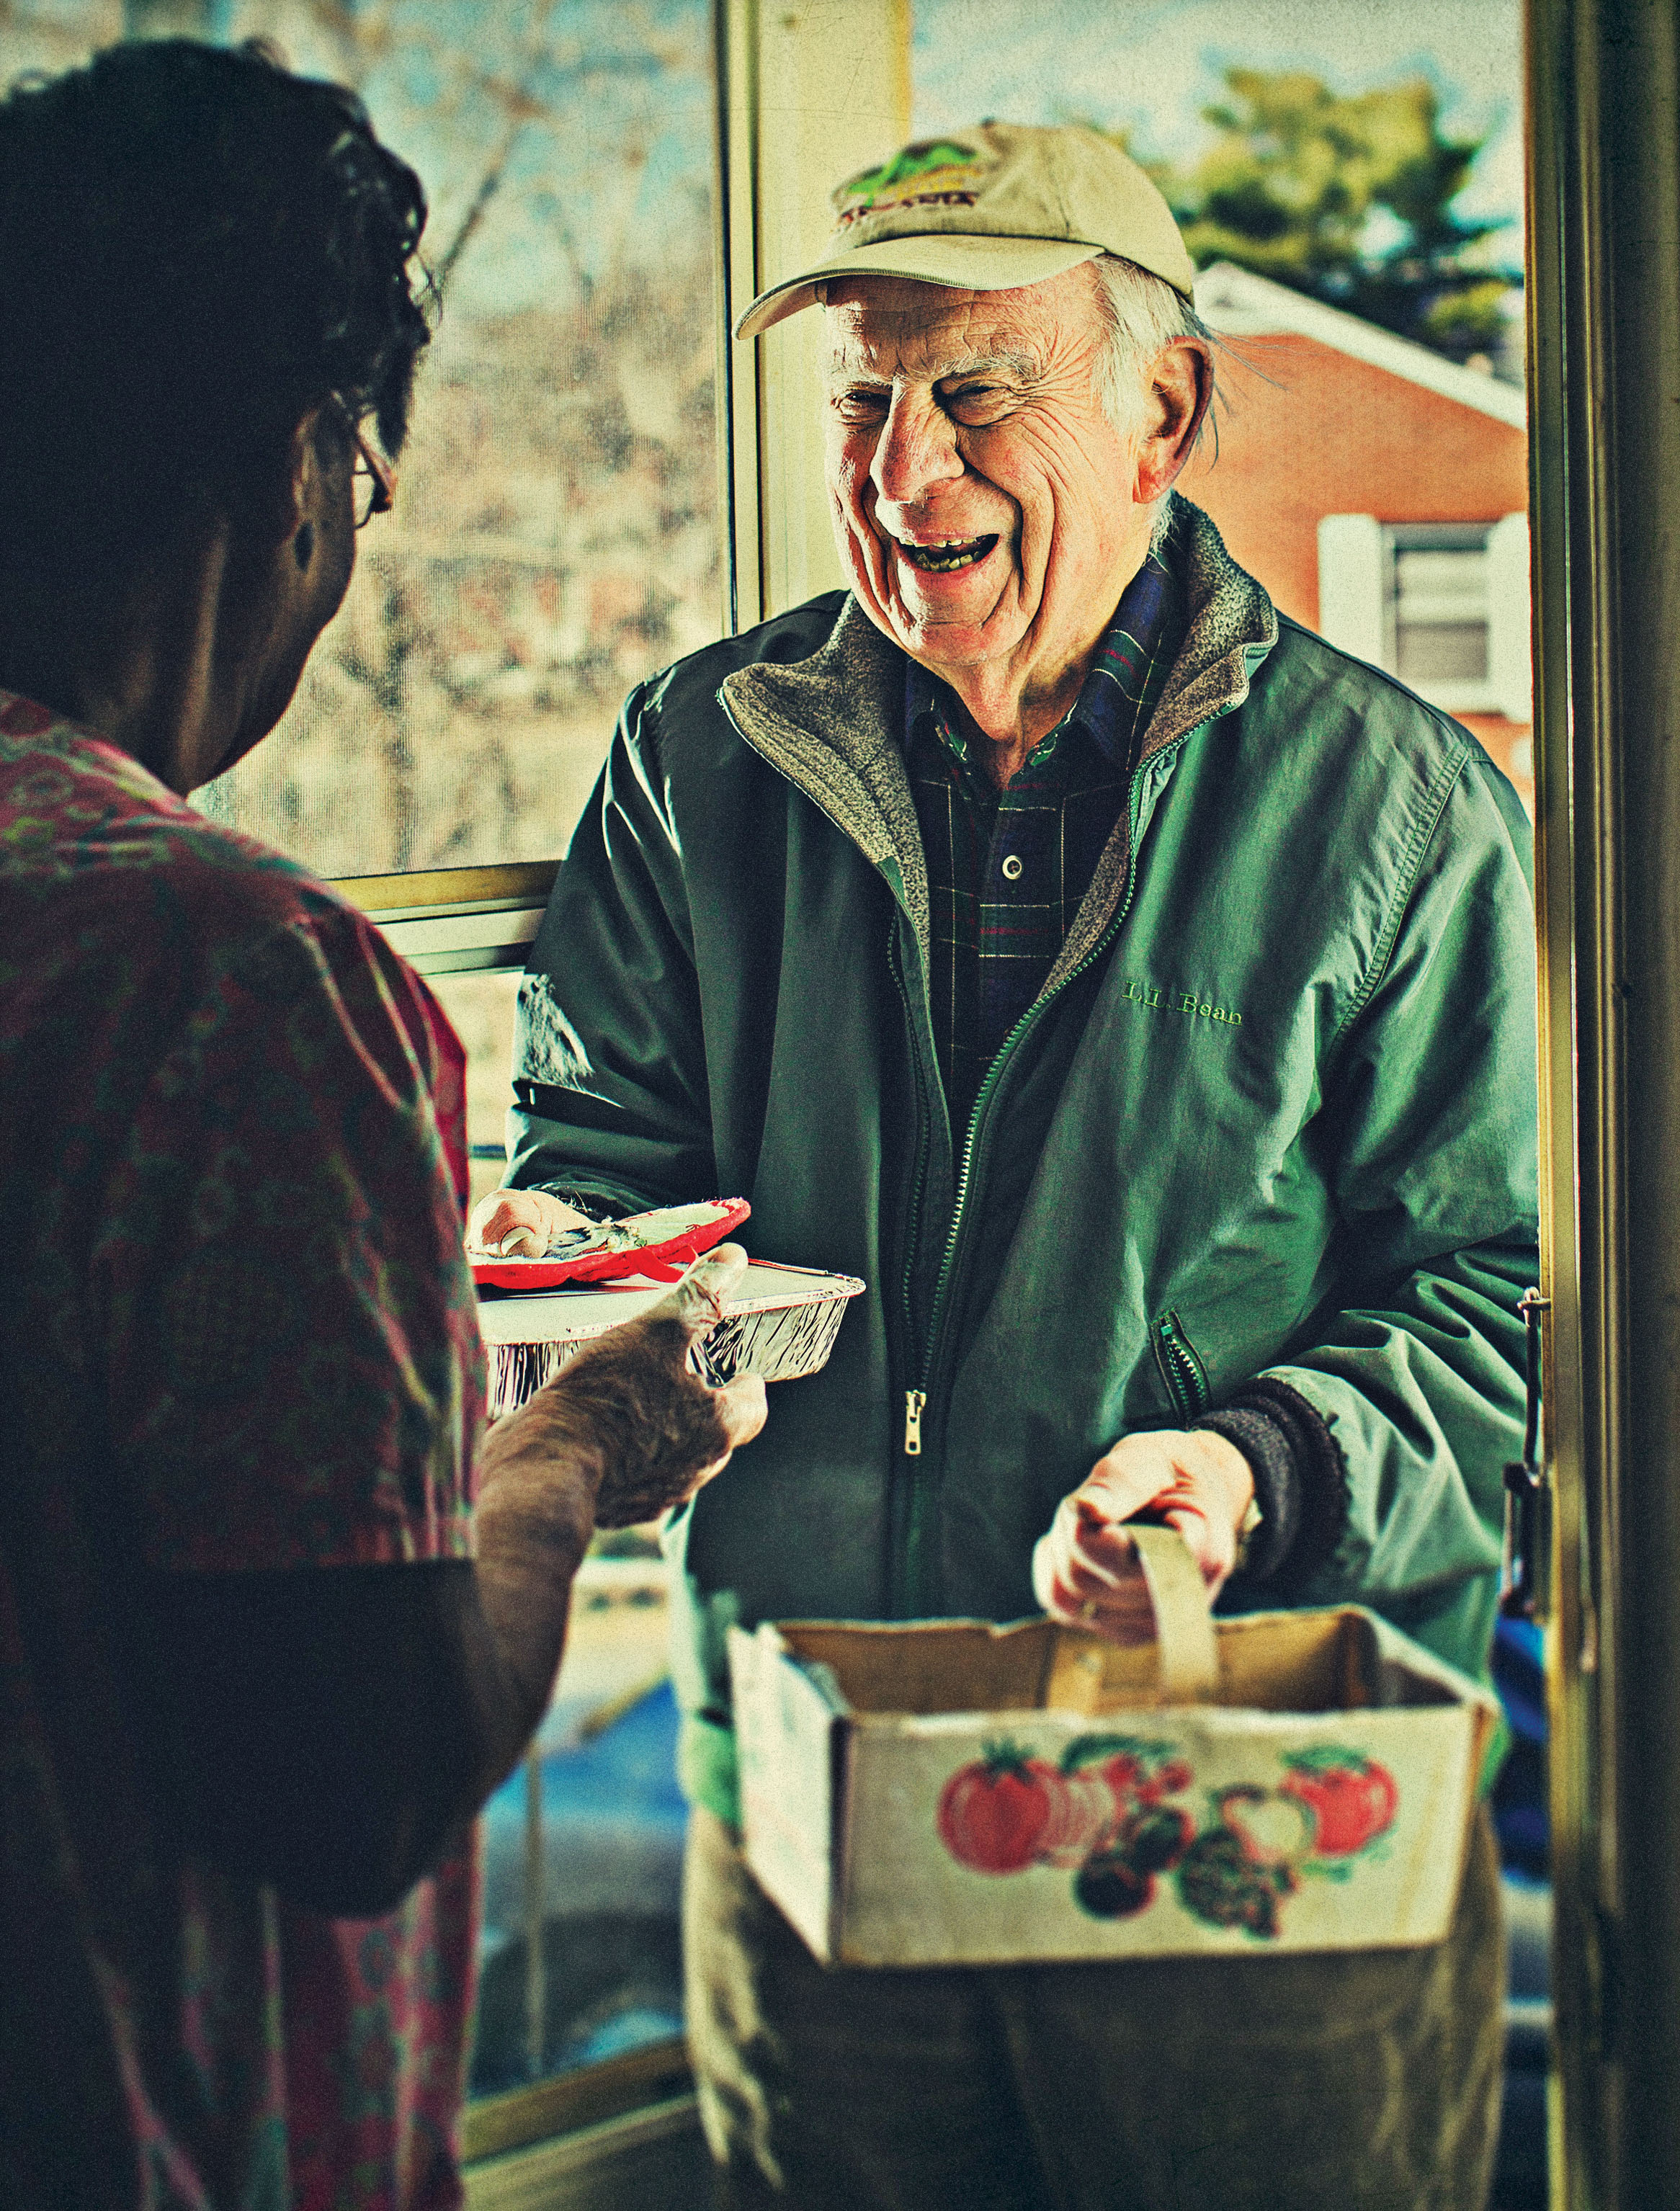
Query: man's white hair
(1144, 313)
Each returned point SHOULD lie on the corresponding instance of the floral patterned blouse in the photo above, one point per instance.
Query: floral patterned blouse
(237, 1332)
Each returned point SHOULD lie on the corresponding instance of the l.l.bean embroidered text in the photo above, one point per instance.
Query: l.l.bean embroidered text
(1180, 1001)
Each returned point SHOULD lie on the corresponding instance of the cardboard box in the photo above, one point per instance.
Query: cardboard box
(957, 1793)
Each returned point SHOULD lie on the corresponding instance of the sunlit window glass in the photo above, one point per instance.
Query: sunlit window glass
(1349, 182)
(555, 533)
(579, 1954)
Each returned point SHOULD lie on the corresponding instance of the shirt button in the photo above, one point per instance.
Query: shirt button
(1012, 868)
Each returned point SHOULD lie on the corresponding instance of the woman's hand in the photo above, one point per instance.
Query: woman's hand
(629, 1406)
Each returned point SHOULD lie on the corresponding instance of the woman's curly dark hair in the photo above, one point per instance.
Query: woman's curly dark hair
(196, 247)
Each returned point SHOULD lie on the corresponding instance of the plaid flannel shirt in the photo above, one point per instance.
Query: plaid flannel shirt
(1007, 870)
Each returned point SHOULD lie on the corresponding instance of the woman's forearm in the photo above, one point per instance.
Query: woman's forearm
(539, 1478)
(624, 1432)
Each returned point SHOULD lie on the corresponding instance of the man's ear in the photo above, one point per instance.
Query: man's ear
(1180, 388)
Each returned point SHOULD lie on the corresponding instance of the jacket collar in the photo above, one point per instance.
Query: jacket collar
(833, 725)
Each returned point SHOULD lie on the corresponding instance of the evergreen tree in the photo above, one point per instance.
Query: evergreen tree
(1349, 199)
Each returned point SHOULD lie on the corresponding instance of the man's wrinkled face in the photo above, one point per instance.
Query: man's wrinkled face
(983, 499)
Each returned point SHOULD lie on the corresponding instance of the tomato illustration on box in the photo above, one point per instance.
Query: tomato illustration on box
(1352, 1800)
(994, 1813)
(1104, 1809)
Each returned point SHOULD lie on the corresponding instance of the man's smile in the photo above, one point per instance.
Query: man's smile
(943, 556)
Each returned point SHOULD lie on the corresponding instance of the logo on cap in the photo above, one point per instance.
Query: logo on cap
(942, 172)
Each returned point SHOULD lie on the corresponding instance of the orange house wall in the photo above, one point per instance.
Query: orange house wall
(1306, 431)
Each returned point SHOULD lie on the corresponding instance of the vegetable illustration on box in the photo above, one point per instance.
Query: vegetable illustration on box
(1104, 1810)
(1352, 1799)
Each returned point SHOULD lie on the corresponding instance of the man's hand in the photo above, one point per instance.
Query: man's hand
(1085, 1569)
(519, 1224)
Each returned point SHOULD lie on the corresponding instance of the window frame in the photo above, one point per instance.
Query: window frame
(458, 921)
(656, 2075)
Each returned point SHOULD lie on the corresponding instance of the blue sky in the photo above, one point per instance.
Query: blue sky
(1151, 68)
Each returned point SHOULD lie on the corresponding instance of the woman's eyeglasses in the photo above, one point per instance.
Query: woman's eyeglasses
(373, 478)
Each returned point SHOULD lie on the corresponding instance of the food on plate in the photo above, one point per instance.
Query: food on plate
(511, 1224)
(659, 1244)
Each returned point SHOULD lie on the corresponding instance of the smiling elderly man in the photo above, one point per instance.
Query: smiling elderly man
(1138, 994)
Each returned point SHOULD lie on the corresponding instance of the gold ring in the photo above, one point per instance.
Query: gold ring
(1088, 1610)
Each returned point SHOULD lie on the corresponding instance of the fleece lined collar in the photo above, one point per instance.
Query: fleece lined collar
(831, 724)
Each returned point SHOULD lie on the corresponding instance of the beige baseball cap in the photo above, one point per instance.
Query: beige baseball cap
(1003, 204)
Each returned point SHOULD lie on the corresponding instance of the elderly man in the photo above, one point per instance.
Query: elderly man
(1138, 994)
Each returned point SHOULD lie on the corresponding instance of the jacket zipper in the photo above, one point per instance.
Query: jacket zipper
(1181, 1370)
(918, 1182)
(916, 1400)
(966, 1174)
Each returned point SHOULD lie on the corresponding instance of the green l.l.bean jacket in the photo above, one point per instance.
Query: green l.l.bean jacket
(1273, 1113)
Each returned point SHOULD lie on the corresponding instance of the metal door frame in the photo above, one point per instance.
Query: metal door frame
(1603, 307)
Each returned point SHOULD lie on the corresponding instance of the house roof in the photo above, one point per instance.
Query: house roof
(1239, 304)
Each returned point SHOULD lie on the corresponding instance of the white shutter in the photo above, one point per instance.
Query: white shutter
(1510, 660)
(1352, 579)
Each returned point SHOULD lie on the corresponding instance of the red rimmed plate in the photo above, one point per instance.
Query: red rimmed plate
(651, 1246)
